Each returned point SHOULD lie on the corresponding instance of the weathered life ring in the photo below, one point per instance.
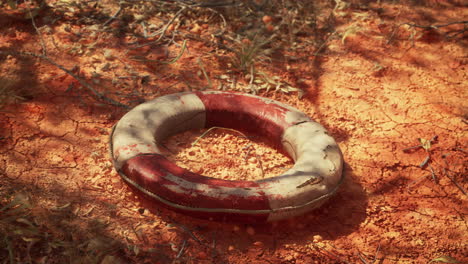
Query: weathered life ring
(315, 176)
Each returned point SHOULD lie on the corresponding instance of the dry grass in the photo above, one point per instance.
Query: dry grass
(8, 93)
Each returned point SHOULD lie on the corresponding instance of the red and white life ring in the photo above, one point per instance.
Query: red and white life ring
(315, 176)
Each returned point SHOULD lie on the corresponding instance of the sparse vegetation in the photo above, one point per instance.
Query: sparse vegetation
(32, 234)
(116, 54)
(8, 93)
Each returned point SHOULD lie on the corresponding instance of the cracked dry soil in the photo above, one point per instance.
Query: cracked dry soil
(375, 99)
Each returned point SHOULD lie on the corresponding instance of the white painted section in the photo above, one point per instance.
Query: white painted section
(317, 157)
(147, 124)
(218, 192)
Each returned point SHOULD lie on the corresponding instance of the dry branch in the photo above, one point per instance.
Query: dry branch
(450, 34)
(97, 94)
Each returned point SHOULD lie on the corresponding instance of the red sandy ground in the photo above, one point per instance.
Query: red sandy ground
(375, 98)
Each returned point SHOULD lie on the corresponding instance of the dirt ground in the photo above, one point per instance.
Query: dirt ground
(373, 74)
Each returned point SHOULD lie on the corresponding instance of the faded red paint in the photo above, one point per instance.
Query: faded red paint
(150, 172)
(150, 202)
(245, 113)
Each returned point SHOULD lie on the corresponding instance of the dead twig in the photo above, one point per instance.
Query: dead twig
(455, 182)
(249, 148)
(450, 34)
(446, 172)
(205, 74)
(412, 183)
(114, 16)
(364, 259)
(434, 178)
(260, 164)
(213, 128)
(190, 233)
(252, 78)
(215, 4)
(247, 153)
(424, 163)
(220, 32)
(323, 45)
(426, 145)
(44, 49)
(213, 247)
(437, 26)
(327, 252)
(174, 60)
(163, 32)
(181, 249)
(182, 50)
(97, 94)
(422, 145)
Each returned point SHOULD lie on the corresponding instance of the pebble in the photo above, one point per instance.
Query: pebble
(317, 238)
(253, 160)
(267, 19)
(250, 230)
(175, 248)
(270, 27)
(108, 54)
(258, 243)
(196, 29)
(246, 41)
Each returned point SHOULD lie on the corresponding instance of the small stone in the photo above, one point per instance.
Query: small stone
(246, 41)
(258, 243)
(105, 67)
(196, 29)
(270, 27)
(236, 228)
(317, 238)
(108, 54)
(231, 248)
(250, 230)
(139, 17)
(267, 19)
(199, 170)
(175, 248)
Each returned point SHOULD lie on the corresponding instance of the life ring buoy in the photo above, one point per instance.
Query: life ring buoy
(315, 176)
